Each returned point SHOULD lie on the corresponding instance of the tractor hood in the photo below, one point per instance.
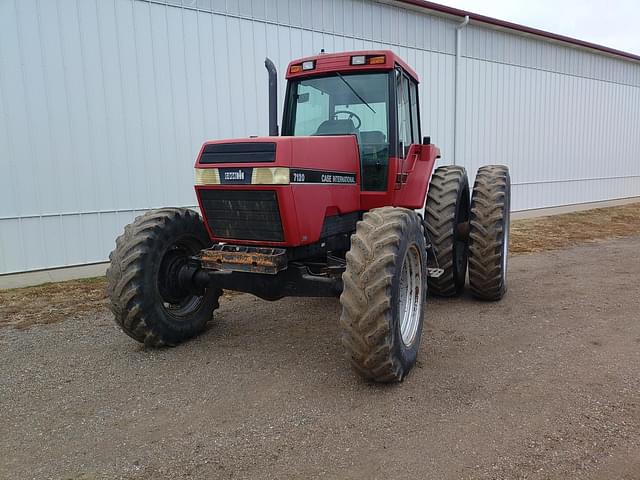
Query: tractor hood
(277, 190)
(279, 161)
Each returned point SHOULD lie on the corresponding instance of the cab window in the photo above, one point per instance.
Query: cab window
(407, 112)
(415, 112)
(345, 104)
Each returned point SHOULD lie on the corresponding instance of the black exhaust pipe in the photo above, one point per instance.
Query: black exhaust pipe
(273, 97)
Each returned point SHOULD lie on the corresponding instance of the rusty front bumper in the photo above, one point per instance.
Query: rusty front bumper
(239, 258)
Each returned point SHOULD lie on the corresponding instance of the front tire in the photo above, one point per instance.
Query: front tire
(384, 294)
(146, 298)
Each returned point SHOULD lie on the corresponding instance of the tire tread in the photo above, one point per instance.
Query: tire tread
(444, 191)
(366, 297)
(125, 285)
(489, 215)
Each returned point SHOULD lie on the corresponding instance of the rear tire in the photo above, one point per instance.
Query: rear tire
(489, 232)
(446, 210)
(146, 299)
(384, 294)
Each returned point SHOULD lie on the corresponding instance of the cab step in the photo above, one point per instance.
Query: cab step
(435, 272)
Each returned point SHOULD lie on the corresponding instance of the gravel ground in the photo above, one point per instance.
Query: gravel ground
(543, 384)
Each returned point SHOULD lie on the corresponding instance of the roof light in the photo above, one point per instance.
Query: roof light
(309, 65)
(295, 68)
(368, 60)
(377, 60)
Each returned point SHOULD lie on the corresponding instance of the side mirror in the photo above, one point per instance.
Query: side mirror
(426, 140)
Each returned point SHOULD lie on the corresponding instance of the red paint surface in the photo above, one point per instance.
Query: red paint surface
(303, 207)
(416, 169)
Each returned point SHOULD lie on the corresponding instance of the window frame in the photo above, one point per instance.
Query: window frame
(288, 118)
(417, 135)
(288, 111)
(415, 130)
(400, 82)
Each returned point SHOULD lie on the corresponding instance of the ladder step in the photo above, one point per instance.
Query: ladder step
(435, 272)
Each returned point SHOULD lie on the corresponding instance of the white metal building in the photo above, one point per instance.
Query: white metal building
(104, 104)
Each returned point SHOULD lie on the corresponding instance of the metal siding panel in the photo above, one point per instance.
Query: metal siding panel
(402, 38)
(145, 113)
(12, 253)
(131, 102)
(79, 151)
(220, 55)
(54, 110)
(122, 93)
(74, 240)
(9, 75)
(116, 137)
(35, 249)
(189, 73)
(338, 17)
(237, 98)
(165, 136)
(24, 100)
(97, 114)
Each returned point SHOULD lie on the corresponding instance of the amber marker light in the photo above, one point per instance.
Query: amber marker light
(376, 60)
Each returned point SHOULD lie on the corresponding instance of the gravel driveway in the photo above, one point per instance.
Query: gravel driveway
(544, 384)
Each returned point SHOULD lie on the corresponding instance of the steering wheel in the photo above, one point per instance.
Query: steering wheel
(351, 115)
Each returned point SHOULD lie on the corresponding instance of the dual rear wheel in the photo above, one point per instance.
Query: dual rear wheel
(469, 230)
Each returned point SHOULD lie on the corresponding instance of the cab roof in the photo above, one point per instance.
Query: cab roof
(341, 62)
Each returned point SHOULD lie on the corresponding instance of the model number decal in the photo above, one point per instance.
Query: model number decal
(322, 176)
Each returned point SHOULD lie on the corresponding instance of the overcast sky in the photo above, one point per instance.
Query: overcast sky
(612, 23)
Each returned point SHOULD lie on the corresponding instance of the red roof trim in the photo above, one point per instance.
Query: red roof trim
(514, 26)
(341, 62)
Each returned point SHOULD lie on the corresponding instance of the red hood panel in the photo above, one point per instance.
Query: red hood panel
(324, 180)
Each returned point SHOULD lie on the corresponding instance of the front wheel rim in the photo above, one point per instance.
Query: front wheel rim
(410, 296)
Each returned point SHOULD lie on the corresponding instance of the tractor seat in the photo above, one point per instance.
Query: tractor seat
(373, 143)
(337, 127)
(373, 137)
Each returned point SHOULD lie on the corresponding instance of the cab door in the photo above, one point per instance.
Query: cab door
(407, 124)
(416, 161)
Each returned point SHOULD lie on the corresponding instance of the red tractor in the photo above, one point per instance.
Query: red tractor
(344, 203)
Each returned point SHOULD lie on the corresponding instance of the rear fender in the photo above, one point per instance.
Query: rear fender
(417, 170)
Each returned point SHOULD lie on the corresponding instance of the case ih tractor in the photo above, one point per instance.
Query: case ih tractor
(344, 203)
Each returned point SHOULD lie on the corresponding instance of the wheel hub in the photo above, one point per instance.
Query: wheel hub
(410, 296)
(172, 289)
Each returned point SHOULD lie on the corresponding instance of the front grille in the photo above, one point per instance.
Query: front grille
(243, 214)
(243, 152)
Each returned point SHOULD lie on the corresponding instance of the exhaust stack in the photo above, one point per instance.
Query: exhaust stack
(273, 97)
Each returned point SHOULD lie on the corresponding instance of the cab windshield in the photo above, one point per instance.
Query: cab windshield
(345, 104)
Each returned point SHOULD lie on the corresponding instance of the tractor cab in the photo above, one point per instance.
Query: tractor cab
(371, 95)
(350, 142)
